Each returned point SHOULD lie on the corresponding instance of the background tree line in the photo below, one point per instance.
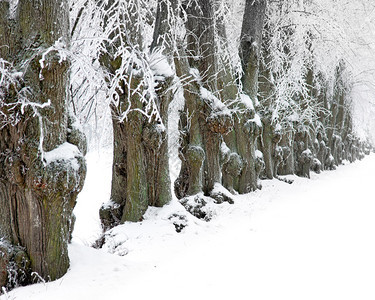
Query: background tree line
(259, 89)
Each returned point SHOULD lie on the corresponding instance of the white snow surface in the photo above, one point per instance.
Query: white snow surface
(245, 99)
(224, 148)
(216, 104)
(258, 154)
(65, 151)
(313, 239)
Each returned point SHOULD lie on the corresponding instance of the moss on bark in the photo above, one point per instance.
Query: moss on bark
(38, 196)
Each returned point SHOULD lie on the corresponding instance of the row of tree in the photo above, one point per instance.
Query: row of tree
(267, 110)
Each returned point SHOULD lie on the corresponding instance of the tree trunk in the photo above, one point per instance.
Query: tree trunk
(247, 132)
(247, 129)
(251, 41)
(136, 188)
(268, 147)
(192, 155)
(250, 47)
(38, 186)
(163, 41)
(140, 173)
(205, 119)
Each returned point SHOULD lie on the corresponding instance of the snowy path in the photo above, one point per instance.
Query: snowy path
(313, 239)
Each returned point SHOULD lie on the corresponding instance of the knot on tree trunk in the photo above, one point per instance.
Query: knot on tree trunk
(329, 161)
(189, 181)
(232, 168)
(220, 123)
(252, 126)
(59, 175)
(277, 136)
(306, 157)
(316, 165)
(234, 165)
(195, 156)
(15, 168)
(305, 160)
(278, 154)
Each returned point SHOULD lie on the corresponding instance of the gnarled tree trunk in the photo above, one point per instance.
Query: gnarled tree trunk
(247, 127)
(140, 173)
(41, 167)
(205, 119)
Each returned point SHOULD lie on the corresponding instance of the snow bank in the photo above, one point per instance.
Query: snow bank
(95, 192)
(308, 240)
(219, 189)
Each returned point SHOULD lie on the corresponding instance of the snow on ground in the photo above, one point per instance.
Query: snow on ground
(313, 239)
(96, 191)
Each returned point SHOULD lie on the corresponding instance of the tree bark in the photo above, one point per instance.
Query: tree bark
(37, 196)
(250, 47)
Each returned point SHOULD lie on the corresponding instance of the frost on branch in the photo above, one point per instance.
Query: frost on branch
(10, 86)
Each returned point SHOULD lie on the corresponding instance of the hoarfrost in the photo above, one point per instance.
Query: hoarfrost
(159, 65)
(256, 120)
